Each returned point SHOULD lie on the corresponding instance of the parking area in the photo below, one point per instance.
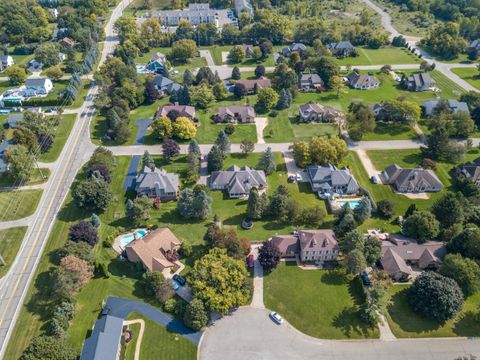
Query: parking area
(293, 169)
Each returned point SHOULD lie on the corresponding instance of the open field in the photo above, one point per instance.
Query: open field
(10, 241)
(61, 135)
(407, 324)
(217, 50)
(18, 204)
(323, 304)
(382, 56)
(471, 75)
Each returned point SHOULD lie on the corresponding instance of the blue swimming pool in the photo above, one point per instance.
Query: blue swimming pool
(128, 238)
(352, 203)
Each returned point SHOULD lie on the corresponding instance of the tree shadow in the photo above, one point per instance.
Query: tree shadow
(348, 322)
(467, 325)
(334, 277)
(234, 220)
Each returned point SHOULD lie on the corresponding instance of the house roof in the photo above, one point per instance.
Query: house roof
(323, 239)
(286, 243)
(14, 119)
(454, 105)
(250, 84)
(357, 79)
(331, 176)
(341, 45)
(420, 79)
(165, 84)
(37, 82)
(184, 110)
(240, 110)
(104, 341)
(157, 179)
(417, 177)
(238, 180)
(475, 44)
(311, 79)
(152, 247)
(470, 170)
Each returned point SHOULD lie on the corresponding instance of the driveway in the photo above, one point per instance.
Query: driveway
(261, 123)
(143, 125)
(122, 307)
(129, 182)
(250, 334)
(292, 168)
(367, 163)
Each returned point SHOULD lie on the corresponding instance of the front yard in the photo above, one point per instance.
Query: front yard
(407, 324)
(320, 303)
(470, 75)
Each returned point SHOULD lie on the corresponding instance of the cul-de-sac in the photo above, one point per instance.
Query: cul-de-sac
(239, 179)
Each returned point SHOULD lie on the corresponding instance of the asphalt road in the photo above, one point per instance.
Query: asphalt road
(250, 334)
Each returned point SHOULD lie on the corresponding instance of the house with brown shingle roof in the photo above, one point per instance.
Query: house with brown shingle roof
(250, 84)
(312, 246)
(235, 114)
(402, 256)
(157, 250)
(316, 112)
(184, 111)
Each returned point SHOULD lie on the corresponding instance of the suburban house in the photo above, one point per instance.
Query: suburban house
(296, 47)
(328, 180)
(157, 183)
(183, 110)
(243, 5)
(419, 81)
(311, 82)
(165, 86)
(362, 81)
(470, 171)
(37, 87)
(238, 181)
(411, 180)
(157, 250)
(316, 112)
(235, 114)
(195, 14)
(312, 246)
(104, 341)
(454, 106)
(5, 62)
(342, 49)
(401, 257)
(157, 63)
(4, 145)
(67, 42)
(250, 84)
(474, 45)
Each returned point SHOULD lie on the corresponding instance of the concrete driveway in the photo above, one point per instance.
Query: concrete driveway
(250, 334)
(292, 168)
(260, 123)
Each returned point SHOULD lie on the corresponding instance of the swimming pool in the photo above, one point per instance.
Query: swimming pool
(352, 203)
(141, 69)
(128, 238)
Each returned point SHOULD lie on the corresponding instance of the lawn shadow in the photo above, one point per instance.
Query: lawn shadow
(334, 277)
(467, 325)
(390, 129)
(413, 159)
(348, 322)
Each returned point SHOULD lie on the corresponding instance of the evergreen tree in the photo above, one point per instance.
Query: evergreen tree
(214, 159)
(236, 75)
(187, 78)
(150, 92)
(285, 100)
(267, 162)
(184, 95)
(185, 203)
(174, 97)
(202, 204)
(194, 148)
(223, 142)
(363, 211)
(95, 220)
(255, 206)
(129, 208)
(147, 160)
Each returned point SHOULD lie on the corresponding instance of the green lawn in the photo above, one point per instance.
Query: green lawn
(129, 351)
(18, 204)
(61, 135)
(386, 131)
(407, 324)
(37, 178)
(10, 241)
(470, 75)
(320, 303)
(158, 342)
(216, 52)
(382, 56)
(82, 94)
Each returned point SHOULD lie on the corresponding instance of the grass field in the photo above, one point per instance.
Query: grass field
(129, 351)
(158, 342)
(7, 181)
(322, 304)
(18, 204)
(10, 241)
(61, 135)
(407, 324)
(470, 75)
(82, 94)
(216, 52)
(385, 131)
(382, 56)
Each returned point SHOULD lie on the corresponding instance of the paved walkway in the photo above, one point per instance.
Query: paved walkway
(138, 344)
(129, 182)
(122, 307)
(26, 221)
(386, 333)
(260, 123)
(257, 299)
(367, 163)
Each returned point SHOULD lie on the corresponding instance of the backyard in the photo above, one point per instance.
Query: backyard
(320, 303)
(407, 324)
(10, 241)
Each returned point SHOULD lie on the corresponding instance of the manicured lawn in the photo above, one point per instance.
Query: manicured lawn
(130, 347)
(216, 52)
(320, 303)
(82, 94)
(382, 56)
(158, 342)
(385, 131)
(10, 241)
(471, 75)
(18, 204)
(7, 181)
(405, 323)
(61, 135)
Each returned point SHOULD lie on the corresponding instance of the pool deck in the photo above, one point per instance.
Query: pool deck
(117, 242)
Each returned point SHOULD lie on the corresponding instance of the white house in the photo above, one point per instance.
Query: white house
(37, 87)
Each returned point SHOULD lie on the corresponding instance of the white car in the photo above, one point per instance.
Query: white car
(277, 318)
(298, 177)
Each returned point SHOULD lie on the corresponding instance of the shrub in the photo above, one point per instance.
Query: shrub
(83, 231)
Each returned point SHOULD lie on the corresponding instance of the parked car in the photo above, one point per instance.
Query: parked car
(179, 279)
(250, 261)
(174, 285)
(277, 318)
(291, 179)
(374, 180)
(366, 281)
(298, 177)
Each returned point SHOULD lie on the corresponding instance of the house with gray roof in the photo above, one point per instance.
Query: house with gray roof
(4, 145)
(37, 87)
(238, 181)
(414, 180)
(5, 62)
(419, 81)
(474, 45)
(104, 342)
(157, 63)
(311, 82)
(328, 180)
(401, 256)
(316, 112)
(470, 171)
(13, 120)
(454, 106)
(157, 183)
(342, 49)
(165, 86)
(235, 114)
(296, 47)
(362, 81)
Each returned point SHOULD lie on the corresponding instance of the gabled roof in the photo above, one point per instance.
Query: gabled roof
(341, 45)
(157, 179)
(286, 243)
(411, 178)
(184, 110)
(331, 176)
(420, 79)
(393, 263)
(37, 82)
(250, 84)
(105, 339)
(454, 105)
(238, 180)
(355, 78)
(470, 170)
(323, 239)
(311, 79)
(241, 110)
